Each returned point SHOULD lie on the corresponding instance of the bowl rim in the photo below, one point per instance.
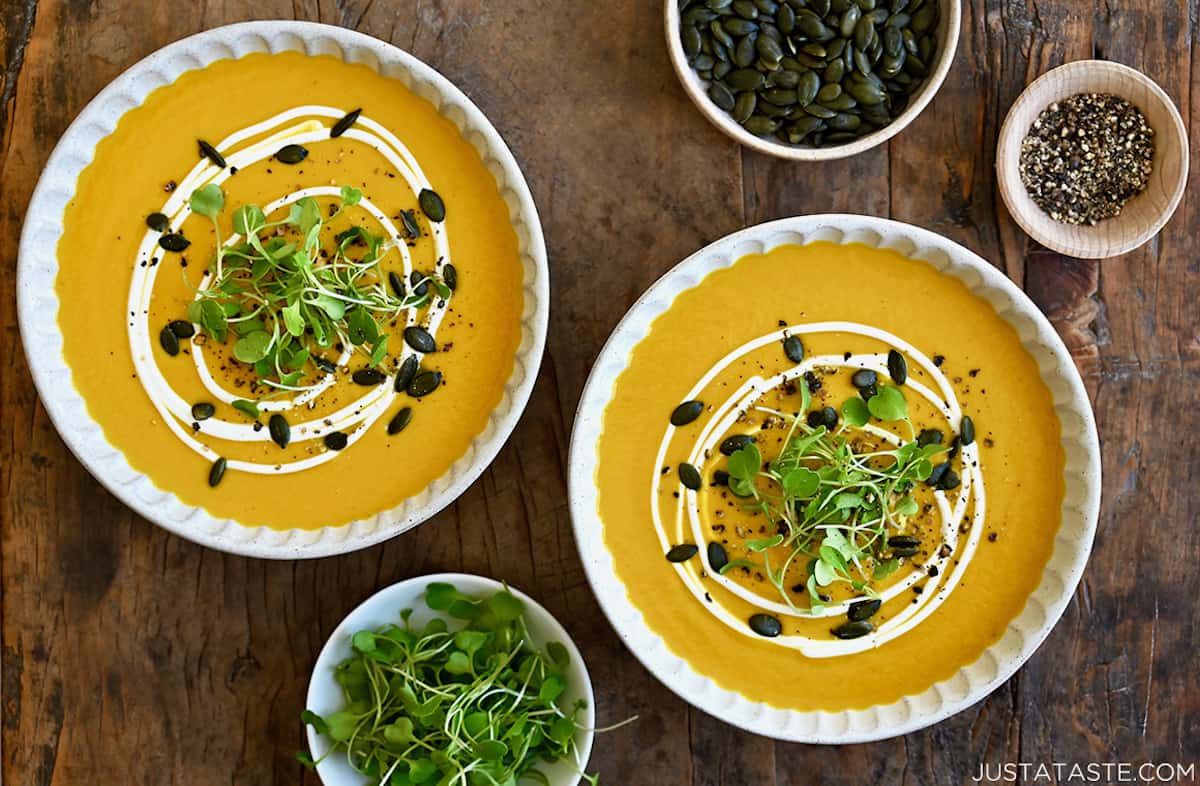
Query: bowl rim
(1008, 144)
(475, 584)
(692, 86)
(38, 305)
(1022, 636)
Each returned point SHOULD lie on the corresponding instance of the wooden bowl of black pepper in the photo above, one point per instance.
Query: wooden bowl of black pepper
(1092, 159)
(812, 80)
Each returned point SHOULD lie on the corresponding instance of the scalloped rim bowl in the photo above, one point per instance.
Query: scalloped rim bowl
(1022, 636)
(383, 608)
(948, 30)
(37, 303)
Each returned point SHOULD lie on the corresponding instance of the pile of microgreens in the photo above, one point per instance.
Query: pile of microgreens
(835, 504)
(474, 707)
(285, 299)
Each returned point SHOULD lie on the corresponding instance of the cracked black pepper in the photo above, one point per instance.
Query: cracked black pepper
(1086, 156)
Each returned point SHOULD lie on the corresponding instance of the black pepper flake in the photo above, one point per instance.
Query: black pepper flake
(1086, 156)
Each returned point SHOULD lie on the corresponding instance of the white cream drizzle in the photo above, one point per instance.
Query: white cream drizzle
(359, 415)
(951, 511)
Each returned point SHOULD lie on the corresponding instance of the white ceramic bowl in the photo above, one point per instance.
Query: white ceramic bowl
(947, 35)
(38, 304)
(1022, 636)
(383, 608)
(1145, 214)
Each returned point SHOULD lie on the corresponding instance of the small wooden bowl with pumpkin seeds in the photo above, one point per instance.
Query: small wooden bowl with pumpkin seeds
(812, 80)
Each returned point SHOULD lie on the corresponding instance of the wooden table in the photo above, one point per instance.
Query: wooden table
(132, 656)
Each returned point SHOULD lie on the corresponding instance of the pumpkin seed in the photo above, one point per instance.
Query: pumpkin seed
(816, 110)
(424, 383)
(935, 476)
(408, 222)
(169, 341)
(863, 609)
(780, 96)
(744, 79)
(717, 556)
(950, 481)
(760, 125)
(744, 108)
(897, 367)
(845, 122)
(336, 440)
(720, 478)
(419, 339)
(733, 444)
(683, 552)
(793, 348)
(450, 277)
(182, 328)
(721, 96)
(325, 365)
(966, 431)
(397, 283)
(765, 625)
(930, 436)
(864, 378)
(686, 413)
(803, 127)
(291, 154)
(343, 125)
(904, 545)
(691, 41)
(406, 372)
(417, 280)
(853, 630)
(785, 19)
(689, 476)
(203, 411)
(173, 241)
(432, 205)
(367, 376)
(158, 222)
(400, 421)
(216, 472)
(827, 417)
(280, 430)
(210, 152)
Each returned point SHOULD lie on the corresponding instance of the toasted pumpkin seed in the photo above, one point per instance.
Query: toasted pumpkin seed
(169, 341)
(450, 277)
(683, 552)
(396, 282)
(734, 443)
(686, 413)
(400, 421)
(202, 410)
(424, 383)
(793, 348)
(182, 328)
(765, 625)
(689, 476)
(721, 96)
(406, 372)
(717, 556)
(432, 205)
(336, 440)
(863, 609)
(216, 472)
(158, 222)
(420, 339)
(173, 241)
(408, 222)
(291, 154)
(864, 378)
(210, 152)
(853, 630)
(966, 431)
(343, 125)
(280, 430)
(367, 376)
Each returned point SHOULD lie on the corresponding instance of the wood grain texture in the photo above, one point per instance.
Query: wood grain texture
(130, 656)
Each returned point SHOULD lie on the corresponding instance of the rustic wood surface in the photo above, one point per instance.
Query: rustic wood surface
(132, 656)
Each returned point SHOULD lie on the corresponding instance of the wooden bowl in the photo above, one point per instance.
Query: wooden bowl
(697, 89)
(1146, 213)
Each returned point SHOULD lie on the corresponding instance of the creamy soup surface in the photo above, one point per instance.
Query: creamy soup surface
(348, 452)
(889, 532)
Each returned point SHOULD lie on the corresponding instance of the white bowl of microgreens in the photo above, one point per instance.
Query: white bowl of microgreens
(812, 80)
(1092, 160)
(450, 679)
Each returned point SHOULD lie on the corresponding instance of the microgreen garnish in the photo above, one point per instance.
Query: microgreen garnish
(429, 705)
(835, 506)
(289, 289)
